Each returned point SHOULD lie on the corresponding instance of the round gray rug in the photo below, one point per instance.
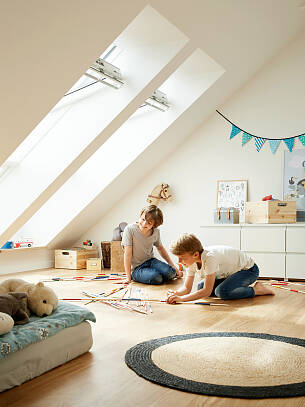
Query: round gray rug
(227, 364)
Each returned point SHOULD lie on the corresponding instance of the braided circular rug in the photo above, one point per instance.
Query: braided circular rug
(227, 364)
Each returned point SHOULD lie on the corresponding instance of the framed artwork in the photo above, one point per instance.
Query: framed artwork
(232, 194)
(294, 177)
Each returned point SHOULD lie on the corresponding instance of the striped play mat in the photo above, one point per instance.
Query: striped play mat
(227, 364)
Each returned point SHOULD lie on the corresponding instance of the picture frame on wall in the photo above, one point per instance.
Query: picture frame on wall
(232, 194)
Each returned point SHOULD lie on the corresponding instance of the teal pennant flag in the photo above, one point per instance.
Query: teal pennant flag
(289, 143)
(302, 139)
(235, 130)
(274, 145)
(259, 142)
(246, 138)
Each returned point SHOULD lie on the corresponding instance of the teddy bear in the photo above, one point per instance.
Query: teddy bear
(42, 300)
(15, 305)
(13, 311)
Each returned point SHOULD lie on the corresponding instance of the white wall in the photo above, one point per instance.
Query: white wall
(15, 261)
(270, 105)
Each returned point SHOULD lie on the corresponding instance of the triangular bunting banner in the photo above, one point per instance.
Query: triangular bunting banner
(246, 138)
(289, 143)
(259, 142)
(302, 139)
(274, 145)
(235, 130)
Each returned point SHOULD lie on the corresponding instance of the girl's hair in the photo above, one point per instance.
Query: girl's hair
(186, 243)
(153, 213)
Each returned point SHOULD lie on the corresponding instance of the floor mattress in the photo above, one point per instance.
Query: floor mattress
(42, 356)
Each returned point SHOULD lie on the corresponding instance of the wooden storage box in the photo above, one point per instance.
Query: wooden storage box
(271, 212)
(94, 264)
(74, 258)
(117, 257)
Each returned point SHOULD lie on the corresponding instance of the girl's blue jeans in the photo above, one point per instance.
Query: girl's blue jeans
(153, 271)
(235, 286)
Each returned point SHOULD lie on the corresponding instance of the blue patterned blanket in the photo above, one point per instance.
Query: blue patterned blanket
(40, 328)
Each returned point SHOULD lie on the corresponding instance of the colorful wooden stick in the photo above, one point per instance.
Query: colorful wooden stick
(288, 289)
(274, 282)
(148, 300)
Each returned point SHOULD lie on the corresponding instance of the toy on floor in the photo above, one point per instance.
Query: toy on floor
(159, 193)
(42, 300)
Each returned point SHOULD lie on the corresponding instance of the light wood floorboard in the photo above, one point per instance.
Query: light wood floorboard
(101, 378)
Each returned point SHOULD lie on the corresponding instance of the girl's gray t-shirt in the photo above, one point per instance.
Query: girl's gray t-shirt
(142, 246)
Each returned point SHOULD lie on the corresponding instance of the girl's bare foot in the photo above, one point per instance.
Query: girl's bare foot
(261, 289)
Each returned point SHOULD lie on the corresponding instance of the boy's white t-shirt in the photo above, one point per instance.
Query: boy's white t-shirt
(221, 260)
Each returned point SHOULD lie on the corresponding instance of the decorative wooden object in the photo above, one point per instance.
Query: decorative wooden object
(271, 212)
(159, 193)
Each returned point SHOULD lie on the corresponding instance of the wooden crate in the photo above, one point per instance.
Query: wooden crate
(117, 257)
(271, 212)
(106, 254)
(74, 258)
(94, 264)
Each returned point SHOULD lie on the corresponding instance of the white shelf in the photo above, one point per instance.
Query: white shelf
(278, 248)
(22, 248)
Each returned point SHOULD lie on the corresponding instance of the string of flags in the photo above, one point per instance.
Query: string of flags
(260, 141)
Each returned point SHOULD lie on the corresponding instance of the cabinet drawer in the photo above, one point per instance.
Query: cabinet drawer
(295, 240)
(295, 266)
(270, 264)
(226, 235)
(260, 239)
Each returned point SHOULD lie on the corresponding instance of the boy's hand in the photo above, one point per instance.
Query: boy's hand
(179, 274)
(172, 299)
(126, 281)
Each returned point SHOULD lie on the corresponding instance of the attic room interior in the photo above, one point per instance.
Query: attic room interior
(152, 223)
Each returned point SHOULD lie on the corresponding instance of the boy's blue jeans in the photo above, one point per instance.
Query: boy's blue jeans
(235, 286)
(153, 271)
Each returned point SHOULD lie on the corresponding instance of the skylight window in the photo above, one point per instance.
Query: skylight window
(196, 74)
(85, 119)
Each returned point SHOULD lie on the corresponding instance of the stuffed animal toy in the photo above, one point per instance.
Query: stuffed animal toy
(15, 305)
(42, 300)
(159, 193)
(118, 231)
(6, 323)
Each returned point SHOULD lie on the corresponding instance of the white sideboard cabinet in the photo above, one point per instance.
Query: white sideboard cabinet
(278, 249)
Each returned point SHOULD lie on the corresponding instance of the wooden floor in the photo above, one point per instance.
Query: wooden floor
(101, 378)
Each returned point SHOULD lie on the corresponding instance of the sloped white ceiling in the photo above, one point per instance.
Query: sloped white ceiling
(45, 47)
(241, 35)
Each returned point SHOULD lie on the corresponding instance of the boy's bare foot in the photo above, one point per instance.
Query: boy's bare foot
(261, 289)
